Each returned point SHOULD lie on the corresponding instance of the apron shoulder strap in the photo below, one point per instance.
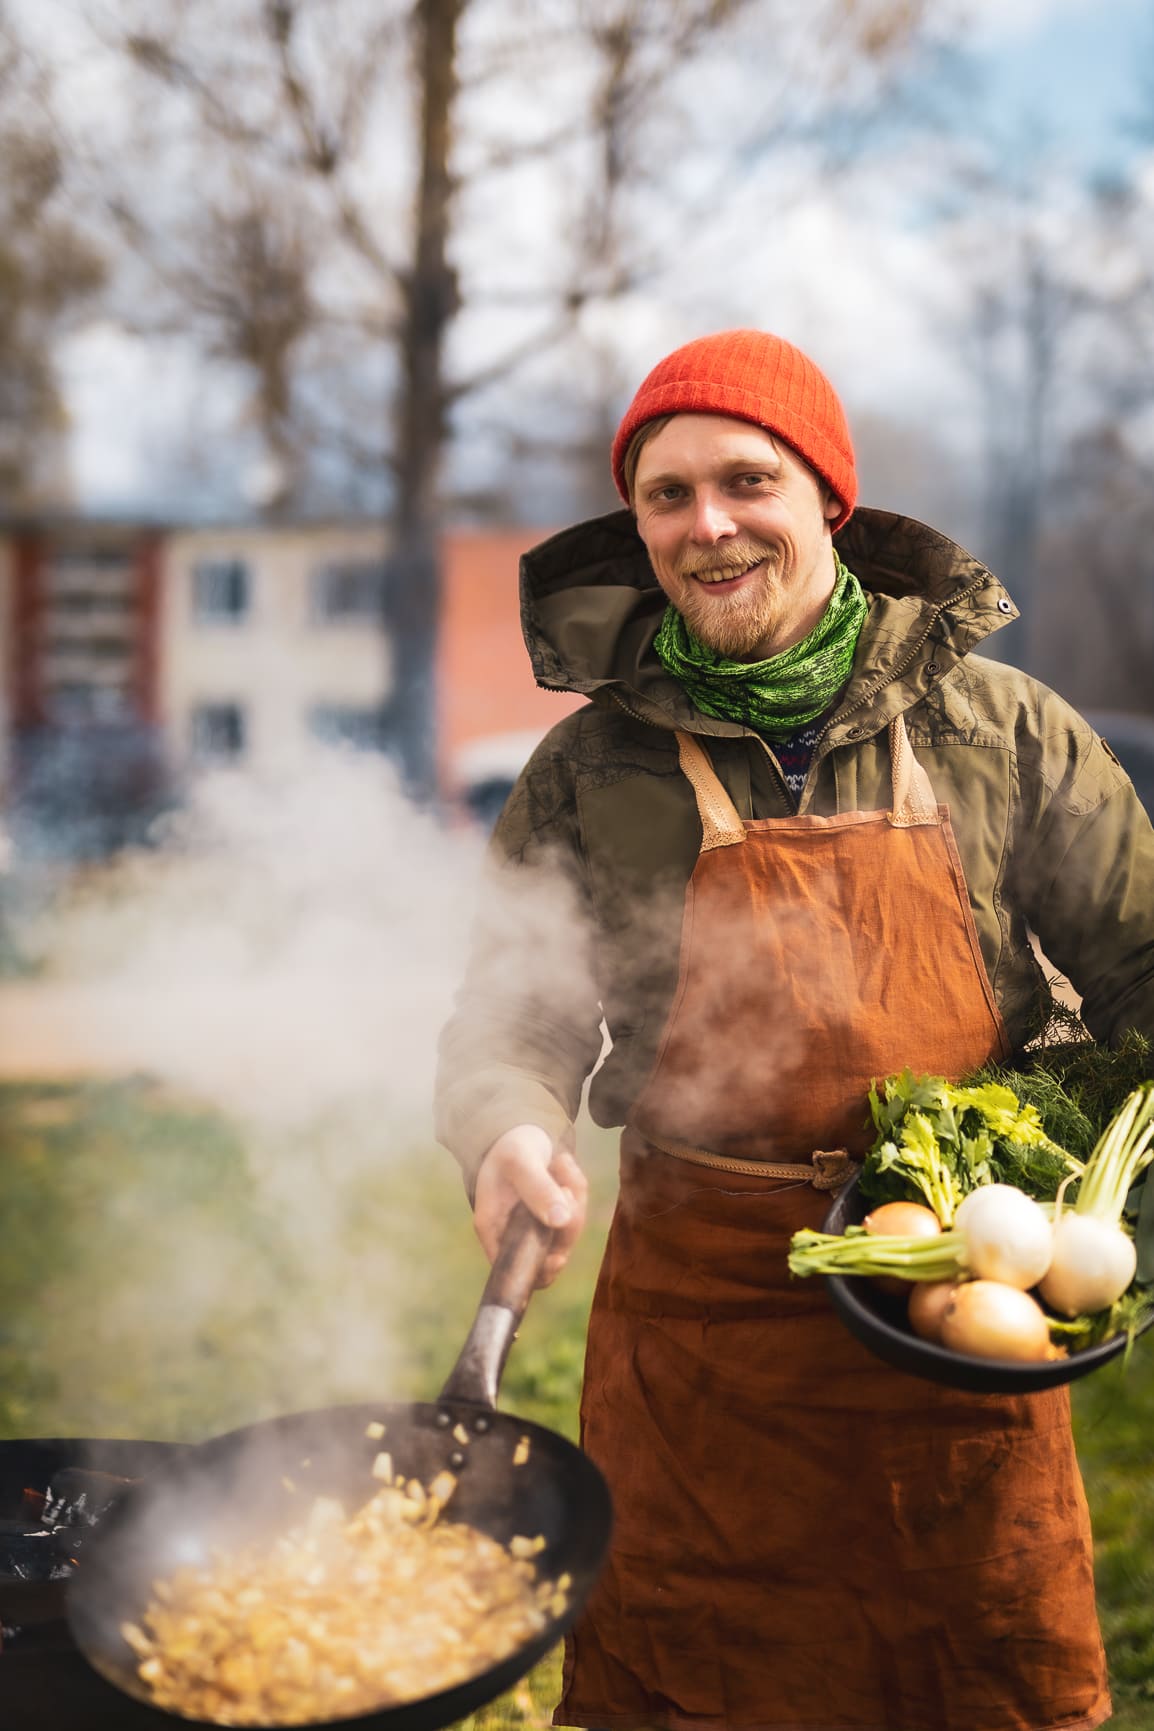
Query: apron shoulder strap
(913, 796)
(720, 824)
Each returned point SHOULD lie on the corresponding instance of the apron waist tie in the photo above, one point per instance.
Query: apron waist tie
(827, 1169)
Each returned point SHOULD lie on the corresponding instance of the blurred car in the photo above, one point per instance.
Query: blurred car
(85, 792)
(483, 771)
(1131, 739)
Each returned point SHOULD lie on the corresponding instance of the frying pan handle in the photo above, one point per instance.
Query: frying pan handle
(476, 1376)
(513, 1276)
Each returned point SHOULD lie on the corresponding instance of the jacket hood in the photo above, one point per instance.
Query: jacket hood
(591, 607)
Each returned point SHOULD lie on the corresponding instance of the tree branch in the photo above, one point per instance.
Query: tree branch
(324, 150)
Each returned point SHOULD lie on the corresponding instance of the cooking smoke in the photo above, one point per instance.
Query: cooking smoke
(287, 952)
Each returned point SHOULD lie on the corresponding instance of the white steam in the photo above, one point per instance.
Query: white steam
(287, 952)
(292, 943)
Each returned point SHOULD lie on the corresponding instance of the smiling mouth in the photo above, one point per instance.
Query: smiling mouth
(719, 580)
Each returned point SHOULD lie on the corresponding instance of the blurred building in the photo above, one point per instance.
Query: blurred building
(490, 710)
(131, 656)
(270, 638)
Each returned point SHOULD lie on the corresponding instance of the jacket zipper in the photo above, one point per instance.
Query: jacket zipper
(871, 692)
(747, 733)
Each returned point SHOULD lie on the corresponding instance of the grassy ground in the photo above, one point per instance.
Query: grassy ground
(159, 1279)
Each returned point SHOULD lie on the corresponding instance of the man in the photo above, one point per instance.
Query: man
(806, 832)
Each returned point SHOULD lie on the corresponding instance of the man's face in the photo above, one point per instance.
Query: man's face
(738, 531)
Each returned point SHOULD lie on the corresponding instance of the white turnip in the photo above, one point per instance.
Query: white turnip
(1094, 1259)
(1092, 1265)
(1008, 1238)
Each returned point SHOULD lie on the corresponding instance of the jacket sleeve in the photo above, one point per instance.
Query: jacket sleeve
(1086, 874)
(526, 1027)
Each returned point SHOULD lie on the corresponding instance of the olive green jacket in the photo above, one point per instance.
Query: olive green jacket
(577, 944)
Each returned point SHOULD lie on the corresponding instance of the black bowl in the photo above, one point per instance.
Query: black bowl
(880, 1324)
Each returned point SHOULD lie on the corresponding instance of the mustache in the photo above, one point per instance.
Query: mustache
(737, 556)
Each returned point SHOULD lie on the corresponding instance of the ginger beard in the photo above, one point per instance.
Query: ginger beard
(734, 616)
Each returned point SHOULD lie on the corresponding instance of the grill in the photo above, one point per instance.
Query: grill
(51, 1492)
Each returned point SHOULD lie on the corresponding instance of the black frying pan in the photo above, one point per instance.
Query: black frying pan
(233, 1488)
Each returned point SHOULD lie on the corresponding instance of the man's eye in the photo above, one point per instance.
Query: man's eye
(751, 480)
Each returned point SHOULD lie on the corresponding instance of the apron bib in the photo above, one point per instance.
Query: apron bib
(805, 1539)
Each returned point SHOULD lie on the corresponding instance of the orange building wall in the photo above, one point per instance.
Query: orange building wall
(485, 685)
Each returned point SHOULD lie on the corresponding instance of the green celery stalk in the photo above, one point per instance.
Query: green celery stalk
(937, 1257)
(1121, 1153)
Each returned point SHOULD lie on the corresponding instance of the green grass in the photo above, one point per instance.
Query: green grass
(1114, 1422)
(158, 1279)
(161, 1277)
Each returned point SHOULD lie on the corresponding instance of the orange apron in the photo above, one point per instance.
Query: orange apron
(807, 1540)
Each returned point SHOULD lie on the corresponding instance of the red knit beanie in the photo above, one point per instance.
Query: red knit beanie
(755, 377)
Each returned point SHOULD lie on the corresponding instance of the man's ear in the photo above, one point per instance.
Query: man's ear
(830, 504)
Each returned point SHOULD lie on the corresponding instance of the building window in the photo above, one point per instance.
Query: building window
(218, 732)
(221, 591)
(89, 646)
(69, 566)
(348, 590)
(107, 556)
(83, 603)
(78, 704)
(347, 724)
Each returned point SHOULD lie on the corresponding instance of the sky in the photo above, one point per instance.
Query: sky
(1074, 65)
(1070, 71)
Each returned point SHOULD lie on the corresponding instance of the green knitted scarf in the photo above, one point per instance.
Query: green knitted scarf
(780, 695)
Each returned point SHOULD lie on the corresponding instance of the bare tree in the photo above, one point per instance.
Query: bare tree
(1020, 304)
(49, 271)
(429, 302)
(1019, 335)
(1099, 648)
(1099, 544)
(435, 194)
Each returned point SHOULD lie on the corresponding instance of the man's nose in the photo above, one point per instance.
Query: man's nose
(712, 522)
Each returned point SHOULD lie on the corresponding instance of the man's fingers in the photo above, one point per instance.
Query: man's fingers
(524, 1166)
(543, 1196)
(551, 1268)
(571, 1230)
(547, 1201)
(569, 1175)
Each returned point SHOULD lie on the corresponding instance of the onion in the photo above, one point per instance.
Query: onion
(1092, 1265)
(1008, 1237)
(900, 1220)
(989, 1320)
(927, 1307)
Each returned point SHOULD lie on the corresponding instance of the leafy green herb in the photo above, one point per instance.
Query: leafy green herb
(937, 1141)
(1126, 1316)
(1077, 1085)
